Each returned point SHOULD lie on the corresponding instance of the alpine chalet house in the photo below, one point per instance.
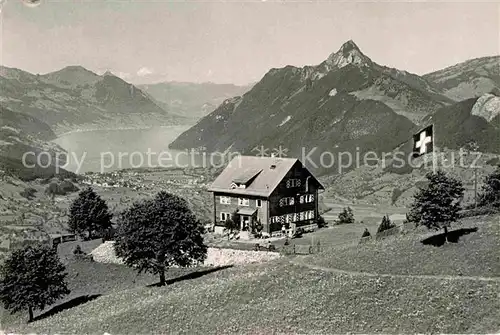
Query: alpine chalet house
(277, 192)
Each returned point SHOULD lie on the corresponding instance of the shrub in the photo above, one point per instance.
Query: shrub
(28, 193)
(493, 161)
(61, 188)
(321, 222)
(484, 210)
(78, 250)
(386, 224)
(230, 224)
(257, 229)
(298, 233)
(346, 216)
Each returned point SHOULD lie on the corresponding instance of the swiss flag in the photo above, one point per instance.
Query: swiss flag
(423, 141)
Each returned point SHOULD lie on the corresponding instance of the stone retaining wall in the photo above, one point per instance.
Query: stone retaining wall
(215, 256)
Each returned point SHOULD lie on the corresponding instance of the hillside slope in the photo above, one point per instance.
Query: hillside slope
(75, 98)
(468, 121)
(22, 134)
(469, 79)
(289, 297)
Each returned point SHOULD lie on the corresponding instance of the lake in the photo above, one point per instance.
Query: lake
(110, 150)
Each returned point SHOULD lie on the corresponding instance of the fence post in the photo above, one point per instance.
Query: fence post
(319, 246)
(294, 249)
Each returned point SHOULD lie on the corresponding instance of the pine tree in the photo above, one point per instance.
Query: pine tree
(385, 224)
(490, 192)
(437, 205)
(158, 233)
(88, 214)
(33, 278)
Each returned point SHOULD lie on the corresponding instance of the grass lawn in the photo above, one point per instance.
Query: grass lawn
(88, 280)
(476, 254)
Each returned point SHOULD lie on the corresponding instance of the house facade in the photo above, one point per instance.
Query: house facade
(278, 193)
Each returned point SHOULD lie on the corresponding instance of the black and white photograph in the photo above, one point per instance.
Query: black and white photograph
(249, 167)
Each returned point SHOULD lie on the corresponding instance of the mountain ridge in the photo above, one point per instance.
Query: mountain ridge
(469, 79)
(316, 99)
(76, 98)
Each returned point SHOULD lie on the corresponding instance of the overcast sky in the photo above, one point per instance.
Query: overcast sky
(236, 41)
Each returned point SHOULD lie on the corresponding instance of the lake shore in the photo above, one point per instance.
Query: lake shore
(187, 126)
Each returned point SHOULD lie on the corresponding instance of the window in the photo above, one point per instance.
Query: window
(224, 216)
(225, 200)
(287, 201)
(243, 202)
(309, 215)
(259, 203)
(306, 198)
(292, 183)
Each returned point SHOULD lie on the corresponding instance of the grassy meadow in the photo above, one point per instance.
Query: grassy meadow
(288, 296)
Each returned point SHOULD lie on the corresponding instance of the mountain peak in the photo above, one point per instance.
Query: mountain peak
(348, 46)
(75, 68)
(349, 53)
(72, 75)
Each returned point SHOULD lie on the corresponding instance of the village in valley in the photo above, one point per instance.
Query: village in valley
(344, 197)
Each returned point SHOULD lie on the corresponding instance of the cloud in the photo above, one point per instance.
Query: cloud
(144, 71)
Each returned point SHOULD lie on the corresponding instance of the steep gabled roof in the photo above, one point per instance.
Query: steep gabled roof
(246, 175)
(266, 172)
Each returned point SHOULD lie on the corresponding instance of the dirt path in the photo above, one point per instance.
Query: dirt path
(300, 262)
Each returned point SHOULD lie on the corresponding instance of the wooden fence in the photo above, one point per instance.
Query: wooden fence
(301, 249)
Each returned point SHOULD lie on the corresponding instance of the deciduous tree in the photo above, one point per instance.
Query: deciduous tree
(437, 205)
(155, 234)
(89, 213)
(33, 278)
(490, 193)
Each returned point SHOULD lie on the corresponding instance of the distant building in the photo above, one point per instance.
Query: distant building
(275, 191)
